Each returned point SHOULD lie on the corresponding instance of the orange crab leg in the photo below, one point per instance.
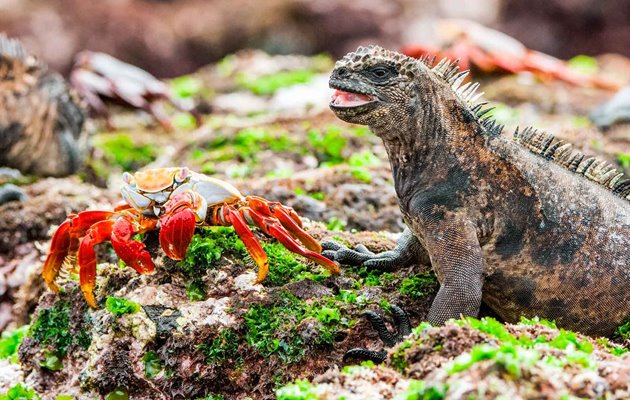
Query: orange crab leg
(286, 217)
(59, 247)
(273, 228)
(86, 257)
(131, 251)
(65, 241)
(249, 240)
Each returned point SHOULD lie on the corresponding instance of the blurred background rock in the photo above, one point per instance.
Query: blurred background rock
(173, 37)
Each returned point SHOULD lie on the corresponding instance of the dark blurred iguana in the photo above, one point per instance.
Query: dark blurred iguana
(529, 226)
(40, 121)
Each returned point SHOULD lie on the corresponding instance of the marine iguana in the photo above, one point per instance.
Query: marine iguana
(529, 226)
(40, 120)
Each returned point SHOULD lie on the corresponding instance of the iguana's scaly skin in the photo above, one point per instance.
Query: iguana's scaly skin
(529, 226)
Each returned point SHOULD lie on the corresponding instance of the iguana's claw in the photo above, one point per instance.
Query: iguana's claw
(364, 354)
(389, 339)
(386, 261)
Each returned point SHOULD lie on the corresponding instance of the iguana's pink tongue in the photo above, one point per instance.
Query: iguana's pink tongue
(347, 99)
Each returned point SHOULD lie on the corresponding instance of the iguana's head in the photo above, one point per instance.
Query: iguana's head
(373, 85)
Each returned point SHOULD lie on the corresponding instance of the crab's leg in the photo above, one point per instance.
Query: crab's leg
(273, 228)
(131, 251)
(287, 217)
(231, 215)
(156, 108)
(86, 257)
(65, 241)
(59, 247)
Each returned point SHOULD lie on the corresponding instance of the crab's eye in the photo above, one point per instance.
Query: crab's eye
(127, 178)
(381, 73)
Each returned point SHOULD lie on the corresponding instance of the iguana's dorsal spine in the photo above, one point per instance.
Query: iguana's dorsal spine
(538, 142)
(15, 61)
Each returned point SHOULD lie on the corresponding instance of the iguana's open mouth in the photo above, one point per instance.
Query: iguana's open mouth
(341, 98)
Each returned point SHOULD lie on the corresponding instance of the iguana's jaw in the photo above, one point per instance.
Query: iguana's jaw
(347, 103)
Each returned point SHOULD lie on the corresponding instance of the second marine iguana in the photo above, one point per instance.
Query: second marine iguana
(41, 123)
(527, 225)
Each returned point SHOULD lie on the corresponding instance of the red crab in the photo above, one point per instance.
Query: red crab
(99, 74)
(176, 200)
(490, 50)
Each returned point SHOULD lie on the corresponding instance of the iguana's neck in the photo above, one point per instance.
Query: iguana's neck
(425, 143)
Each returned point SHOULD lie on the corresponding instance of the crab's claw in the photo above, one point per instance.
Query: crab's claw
(272, 227)
(177, 231)
(181, 214)
(131, 251)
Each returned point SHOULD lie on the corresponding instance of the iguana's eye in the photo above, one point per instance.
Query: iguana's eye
(381, 73)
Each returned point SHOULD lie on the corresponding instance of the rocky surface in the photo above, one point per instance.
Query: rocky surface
(482, 359)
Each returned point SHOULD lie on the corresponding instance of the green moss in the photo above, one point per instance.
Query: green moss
(64, 397)
(152, 364)
(10, 341)
(212, 397)
(509, 357)
(372, 277)
(538, 321)
(490, 326)
(583, 64)
(284, 267)
(52, 327)
(418, 285)
(624, 160)
(121, 150)
(420, 390)
(20, 392)
(336, 225)
(196, 290)
(184, 121)
(222, 348)
(269, 84)
(120, 306)
(504, 114)
(352, 369)
(51, 361)
(359, 162)
(118, 394)
(350, 297)
(273, 329)
(398, 359)
(186, 86)
(421, 327)
(300, 390)
(84, 338)
(623, 330)
(328, 145)
(208, 245)
(613, 348)
(211, 243)
(568, 338)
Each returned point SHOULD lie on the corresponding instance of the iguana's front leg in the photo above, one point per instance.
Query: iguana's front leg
(408, 250)
(457, 259)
